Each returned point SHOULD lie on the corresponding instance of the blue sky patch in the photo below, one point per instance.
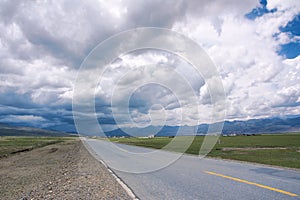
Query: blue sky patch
(292, 49)
(259, 11)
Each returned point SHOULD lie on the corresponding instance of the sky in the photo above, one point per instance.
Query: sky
(255, 46)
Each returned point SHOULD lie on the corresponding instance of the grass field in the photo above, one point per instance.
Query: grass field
(275, 149)
(11, 145)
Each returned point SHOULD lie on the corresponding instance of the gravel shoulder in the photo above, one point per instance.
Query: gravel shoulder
(59, 171)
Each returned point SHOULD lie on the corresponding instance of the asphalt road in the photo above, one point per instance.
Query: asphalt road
(193, 178)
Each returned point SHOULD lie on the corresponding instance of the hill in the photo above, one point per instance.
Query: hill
(8, 130)
(267, 125)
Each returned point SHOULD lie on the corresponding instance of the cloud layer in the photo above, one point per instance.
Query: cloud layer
(43, 43)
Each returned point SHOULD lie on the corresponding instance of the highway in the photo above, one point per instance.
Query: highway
(190, 177)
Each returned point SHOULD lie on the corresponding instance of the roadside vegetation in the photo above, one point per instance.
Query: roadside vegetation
(11, 145)
(273, 149)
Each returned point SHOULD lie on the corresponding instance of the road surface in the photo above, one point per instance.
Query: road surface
(193, 178)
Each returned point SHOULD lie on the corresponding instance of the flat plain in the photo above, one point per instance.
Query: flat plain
(272, 149)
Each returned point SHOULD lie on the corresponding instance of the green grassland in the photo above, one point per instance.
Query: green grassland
(273, 149)
(11, 144)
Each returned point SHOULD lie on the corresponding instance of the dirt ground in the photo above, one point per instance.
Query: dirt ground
(60, 171)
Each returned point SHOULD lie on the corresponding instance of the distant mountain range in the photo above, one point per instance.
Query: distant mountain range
(257, 126)
(8, 130)
(267, 125)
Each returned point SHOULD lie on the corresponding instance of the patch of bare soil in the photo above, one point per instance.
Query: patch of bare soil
(59, 171)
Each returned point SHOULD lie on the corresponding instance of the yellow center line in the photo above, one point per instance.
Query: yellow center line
(252, 183)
